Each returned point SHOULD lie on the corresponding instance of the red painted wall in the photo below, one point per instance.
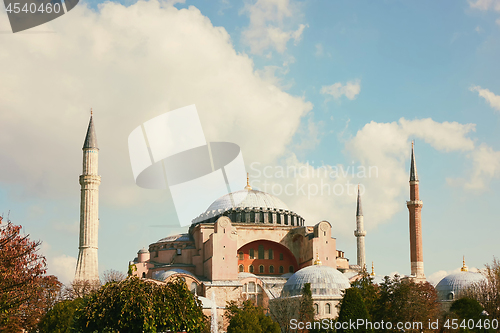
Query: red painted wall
(288, 258)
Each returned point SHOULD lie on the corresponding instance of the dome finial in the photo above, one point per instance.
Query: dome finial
(464, 266)
(317, 261)
(248, 187)
(91, 112)
(373, 270)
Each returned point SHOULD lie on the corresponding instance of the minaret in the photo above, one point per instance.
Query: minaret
(414, 207)
(86, 266)
(360, 233)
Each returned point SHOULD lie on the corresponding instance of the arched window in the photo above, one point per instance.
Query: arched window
(450, 296)
(271, 269)
(251, 287)
(316, 308)
(240, 256)
(261, 251)
(290, 269)
(241, 268)
(261, 269)
(282, 270)
(252, 254)
(250, 268)
(271, 254)
(328, 308)
(143, 275)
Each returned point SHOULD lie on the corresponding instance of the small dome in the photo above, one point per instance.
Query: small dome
(324, 280)
(143, 250)
(450, 286)
(163, 275)
(176, 238)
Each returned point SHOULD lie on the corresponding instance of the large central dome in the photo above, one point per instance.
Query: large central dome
(247, 199)
(250, 206)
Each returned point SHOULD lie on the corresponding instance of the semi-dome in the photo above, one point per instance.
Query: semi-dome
(247, 199)
(324, 280)
(163, 275)
(451, 286)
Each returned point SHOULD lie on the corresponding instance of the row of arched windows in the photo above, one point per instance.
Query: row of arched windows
(328, 308)
(260, 253)
(262, 269)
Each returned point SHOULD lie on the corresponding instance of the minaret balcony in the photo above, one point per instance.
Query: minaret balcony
(418, 203)
(359, 233)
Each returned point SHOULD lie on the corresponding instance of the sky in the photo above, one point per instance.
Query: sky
(341, 86)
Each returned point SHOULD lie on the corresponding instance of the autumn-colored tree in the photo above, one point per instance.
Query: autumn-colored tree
(112, 275)
(26, 293)
(487, 292)
(249, 319)
(282, 310)
(403, 300)
(134, 305)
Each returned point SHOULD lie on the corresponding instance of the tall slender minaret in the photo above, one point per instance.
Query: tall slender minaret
(414, 207)
(360, 233)
(86, 266)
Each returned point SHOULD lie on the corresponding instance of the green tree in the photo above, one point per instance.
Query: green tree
(249, 319)
(134, 305)
(306, 308)
(353, 308)
(467, 308)
(368, 290)
(60, 318)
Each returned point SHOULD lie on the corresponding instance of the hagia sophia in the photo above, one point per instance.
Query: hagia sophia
(256, 249)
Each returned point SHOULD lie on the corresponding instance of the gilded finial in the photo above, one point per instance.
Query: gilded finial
(91, 112)
(464, 266)
(248, 187)
(373, 270)
(317, 261)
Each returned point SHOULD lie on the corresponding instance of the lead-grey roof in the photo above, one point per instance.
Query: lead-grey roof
(457, 282)
(359, 208)
(90, 139)
(413, 166)
(163, 275)
(176, 238)
(324, 280)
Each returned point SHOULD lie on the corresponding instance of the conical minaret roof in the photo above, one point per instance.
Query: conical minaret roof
(91, 138)
(359, 208)
(413, 166)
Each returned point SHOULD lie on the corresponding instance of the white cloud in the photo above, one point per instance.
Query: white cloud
(435, 277)
(350, 90)
(169, 59)
(63, 267)
(270, 25)
(491, 98)
(486, 166)
(319, 50)
(485, 4)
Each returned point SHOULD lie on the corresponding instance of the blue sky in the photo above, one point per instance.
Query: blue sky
(335, 83)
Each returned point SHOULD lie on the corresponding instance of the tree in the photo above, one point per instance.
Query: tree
(368, 290)
(352, 308)
(306, 310)
(467, 308)
(249, 319)
(112, 275)
(282, 310)
(403, 300)
(60, 319)
(134, 305)
(25, 292)
(487, 292)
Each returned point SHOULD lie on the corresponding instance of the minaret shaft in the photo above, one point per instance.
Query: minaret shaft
(360, 234)
(87, 264)
(415, 208)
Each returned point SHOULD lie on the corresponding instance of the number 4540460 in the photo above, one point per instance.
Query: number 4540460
(33, 8)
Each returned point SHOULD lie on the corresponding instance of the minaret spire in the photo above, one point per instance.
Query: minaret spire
(414, 207)
(87, 265)
(413, 166)
(360, 233)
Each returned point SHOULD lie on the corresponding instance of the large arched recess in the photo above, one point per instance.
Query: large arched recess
(281, 257)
